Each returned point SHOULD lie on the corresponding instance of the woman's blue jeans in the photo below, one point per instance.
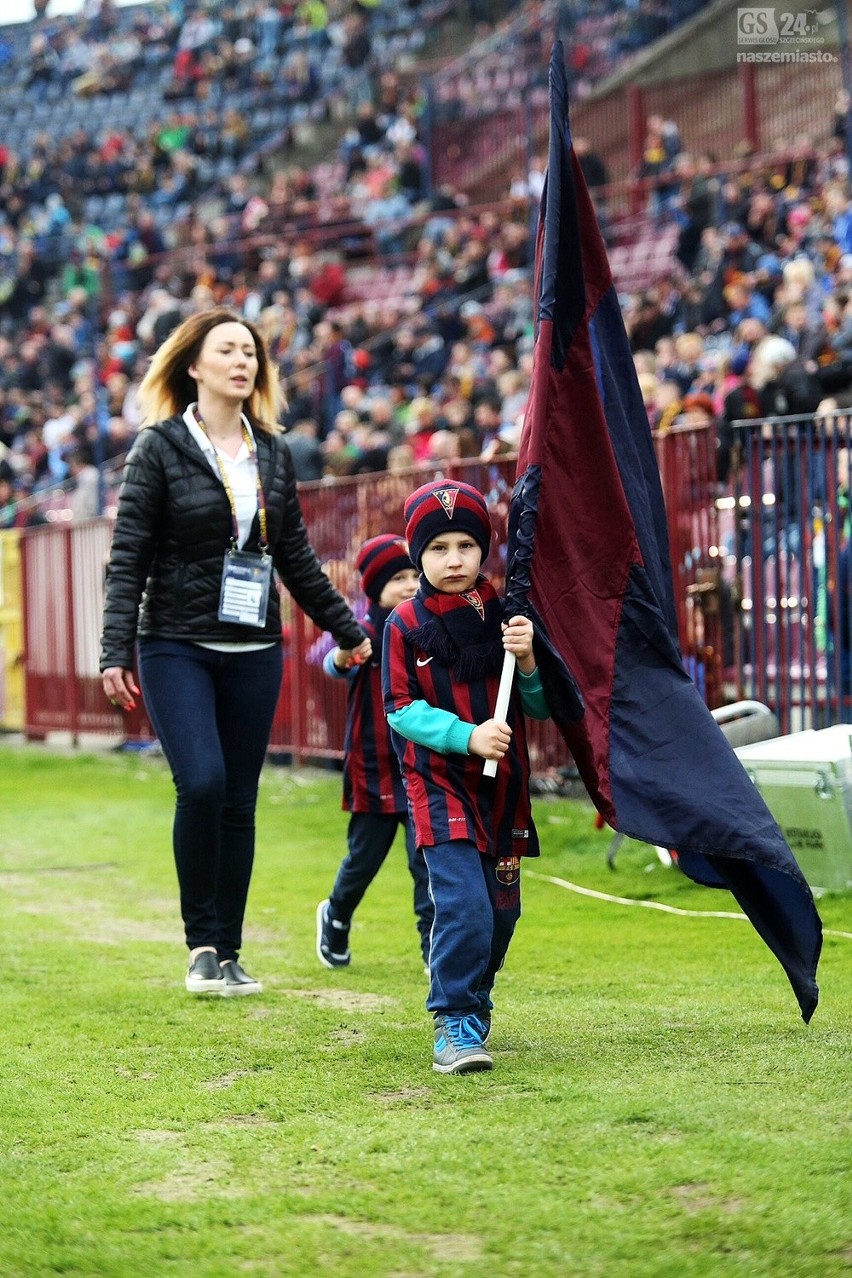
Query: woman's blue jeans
(212, 712)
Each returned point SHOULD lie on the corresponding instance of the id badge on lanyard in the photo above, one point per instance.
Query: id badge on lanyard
(246, 578)
(246, 575)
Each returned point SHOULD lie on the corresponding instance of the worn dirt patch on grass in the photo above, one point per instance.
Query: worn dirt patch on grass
(88, 918)
(156, 1136)
(257, 1011)
(343, 1038)
(24, 868)
(230, 1121)
(403, 1095)
(227, 1080)
(346, 1000)
(196, 1180)
(453, 1247)
(699, 1197)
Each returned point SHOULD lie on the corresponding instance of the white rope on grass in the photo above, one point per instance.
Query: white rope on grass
(652, 905)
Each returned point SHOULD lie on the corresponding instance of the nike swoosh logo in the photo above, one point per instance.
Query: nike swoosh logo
(423, 661)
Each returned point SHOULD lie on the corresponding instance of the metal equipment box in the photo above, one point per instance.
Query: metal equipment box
(806, 781)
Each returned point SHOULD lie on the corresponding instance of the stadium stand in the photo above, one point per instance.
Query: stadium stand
(151, 166)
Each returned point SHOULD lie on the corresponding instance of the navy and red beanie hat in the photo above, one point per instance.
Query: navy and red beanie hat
(445, 506)
(378, 560)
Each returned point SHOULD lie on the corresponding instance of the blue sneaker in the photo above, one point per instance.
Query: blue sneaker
(482, 1017)
(459, 1048)
(482, 1023)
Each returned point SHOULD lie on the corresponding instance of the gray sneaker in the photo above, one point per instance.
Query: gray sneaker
(459, 1048)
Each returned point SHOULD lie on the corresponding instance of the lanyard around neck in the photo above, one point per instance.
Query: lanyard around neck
(226, 484)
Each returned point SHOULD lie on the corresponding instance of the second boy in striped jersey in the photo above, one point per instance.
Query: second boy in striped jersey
(442, 657)
(372, 785)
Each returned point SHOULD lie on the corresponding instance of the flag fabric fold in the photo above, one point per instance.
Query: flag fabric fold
(588, 559)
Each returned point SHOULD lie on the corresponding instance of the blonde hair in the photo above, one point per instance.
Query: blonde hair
(768, 358)
(799, 270)
(689, 346)
(648, 385)
(167, 388)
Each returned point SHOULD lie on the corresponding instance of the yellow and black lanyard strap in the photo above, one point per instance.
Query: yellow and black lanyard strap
(226, 484)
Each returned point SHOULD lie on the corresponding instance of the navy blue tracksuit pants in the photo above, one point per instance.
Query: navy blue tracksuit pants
(475, 917)
(370, 836)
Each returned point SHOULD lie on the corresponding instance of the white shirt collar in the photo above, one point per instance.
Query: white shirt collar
(203, 440)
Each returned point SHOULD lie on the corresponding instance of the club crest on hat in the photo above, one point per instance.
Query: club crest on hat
(447, 498)
(463, 506)
(474, 598)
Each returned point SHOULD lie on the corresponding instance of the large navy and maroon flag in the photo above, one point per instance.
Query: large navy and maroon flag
(588, 559)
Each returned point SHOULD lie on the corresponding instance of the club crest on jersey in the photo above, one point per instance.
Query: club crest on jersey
(447, 499)
(508, 870)
(474, 598)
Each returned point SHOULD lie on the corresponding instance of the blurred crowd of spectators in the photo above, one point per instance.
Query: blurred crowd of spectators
(401, 319)
(755, 317)
(83, 303)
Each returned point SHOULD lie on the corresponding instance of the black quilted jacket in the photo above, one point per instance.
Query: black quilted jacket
(171, 533)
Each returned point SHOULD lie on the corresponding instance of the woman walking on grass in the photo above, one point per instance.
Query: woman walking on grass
(207, 509)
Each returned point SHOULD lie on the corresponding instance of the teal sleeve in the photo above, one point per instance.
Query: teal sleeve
(432, 727)
(532, 695)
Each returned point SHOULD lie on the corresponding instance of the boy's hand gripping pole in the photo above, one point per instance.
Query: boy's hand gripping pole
(502, 707)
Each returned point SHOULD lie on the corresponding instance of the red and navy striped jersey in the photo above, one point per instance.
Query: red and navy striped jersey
(448, 796)
(371, 776)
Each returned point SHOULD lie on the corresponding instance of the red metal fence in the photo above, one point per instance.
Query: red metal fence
(62, 568)
(63, 571)
(787, 536)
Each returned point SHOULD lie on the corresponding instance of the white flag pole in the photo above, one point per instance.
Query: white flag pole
(502, 707)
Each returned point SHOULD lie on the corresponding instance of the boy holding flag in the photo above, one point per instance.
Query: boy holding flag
(441, 665)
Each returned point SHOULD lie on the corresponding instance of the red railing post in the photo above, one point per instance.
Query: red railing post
(751, 115)
(635, 99)
(72, 692)
(298, 717)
